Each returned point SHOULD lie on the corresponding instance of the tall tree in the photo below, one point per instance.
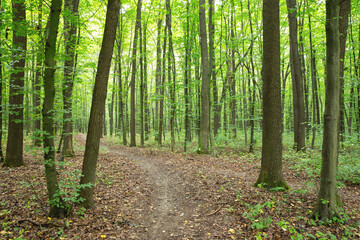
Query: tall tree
(205, 87)
(37, 80)
(1, 92)
(297, 78)
(217, 107)
(171, 73)
(14, 147)
(57, 207)
(187, 78)
(345, 7)
(271, 162)
(70, 28)
(327, 199)
(158, 79)
(133, 76)
(98, 103)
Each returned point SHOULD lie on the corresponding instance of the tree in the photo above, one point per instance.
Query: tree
(205, 88)
(271, 162)
(98, 103)
(133, 75)
(345, 8)
(217, 107)
(70, 29)
(327, 199)
(1, 94)
(14, 147)
(297, 78)
(57, 206)
(37, 80)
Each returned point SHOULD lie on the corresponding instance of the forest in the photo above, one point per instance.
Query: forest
(180, 119)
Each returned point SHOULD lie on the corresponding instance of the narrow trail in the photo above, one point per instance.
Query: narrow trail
(170, 208)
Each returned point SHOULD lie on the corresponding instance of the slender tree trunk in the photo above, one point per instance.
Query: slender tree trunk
(327, 199)
(315, 95)
(271, 175)
(141, 60)
(345, 8)
(187, 80)
(37, 85)
(98, 104)
(297, 78)
(121, 94)
(70, 28)
(252, 89)
(217, 108)
(111, 107)
(171, 67)
(133, 75)
(205, 89)
(158, 79)
(146, 100)
(57, 206)
(1, 94)
(162, 90)
(232, 89)
(14, 147)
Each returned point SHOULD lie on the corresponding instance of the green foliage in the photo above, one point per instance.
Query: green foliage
(69, 189)
(255, 215)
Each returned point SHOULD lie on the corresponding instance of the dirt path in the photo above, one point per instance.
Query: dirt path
(169, 209)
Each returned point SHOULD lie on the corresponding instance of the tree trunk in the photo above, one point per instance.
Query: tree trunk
(37, 84)
(70, 28)
(297, 78)
(271, 175)
(205, 89)
(133, 75)
(98, 104)
(146, 100)
(57, 206)
(111, 105)
(315, 95)
(158, 79)
(327, 199)
(171, 59)
(217, 108)
(252, 89)
(1, 95)
(121, 92)
(345, 8)
(14, 147)
(187, 80)
(162, 90)
(141, 60)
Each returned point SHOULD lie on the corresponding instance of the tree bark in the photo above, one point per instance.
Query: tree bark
(187, 80)
(133, 75)
(345, 8)
(98, 104)
(205, 89)
(327, 199)
(158, 79)
(37, 80)
(57, 206)
(271, 175)
(14, 147)
(297, 78)
(70, 28)
(1, 94)
(217, 107)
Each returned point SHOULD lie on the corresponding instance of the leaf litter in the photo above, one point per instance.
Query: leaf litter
(154, 194)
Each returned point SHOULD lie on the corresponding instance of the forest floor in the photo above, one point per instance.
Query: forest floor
(144, 193)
